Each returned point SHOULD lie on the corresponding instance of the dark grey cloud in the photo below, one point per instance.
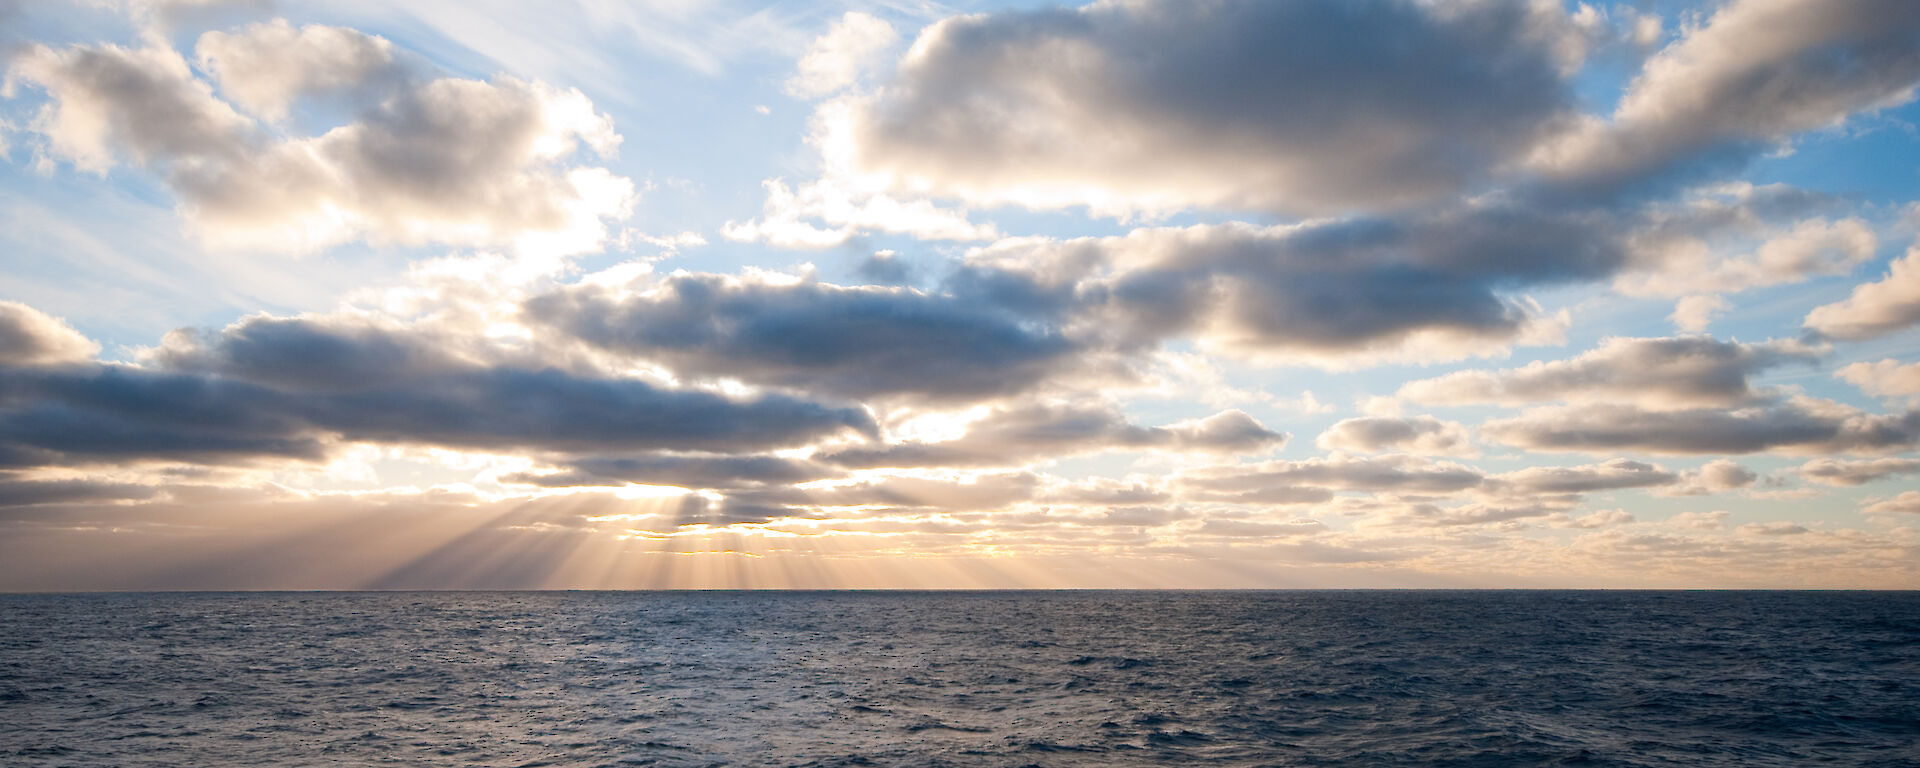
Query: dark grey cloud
(1794, 426)
(20, 492)
(553, 410)
(289, 388)
(1433, 285)
(115, 413)
(305, 354)
(1017, 435)
(1311, 105)
(818, 338)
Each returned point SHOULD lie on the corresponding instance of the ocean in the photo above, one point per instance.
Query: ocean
(1303, 678)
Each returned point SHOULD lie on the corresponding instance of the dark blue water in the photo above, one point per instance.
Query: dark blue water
(962, 679)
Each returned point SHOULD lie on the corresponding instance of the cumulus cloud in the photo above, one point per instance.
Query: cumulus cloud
(1874, 309)
(1885, 378)
(1417, 434)
(1755, 73)
(1714, 477)
(1301, 106)
(31, 337)
(1857, 472)
(1678, 253)
(1016, 435)
(1799, 425)
(428, 159)
(1658, 373)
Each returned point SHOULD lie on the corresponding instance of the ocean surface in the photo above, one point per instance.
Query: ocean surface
(961, 679)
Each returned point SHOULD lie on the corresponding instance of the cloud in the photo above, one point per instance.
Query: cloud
(145, 102)
(1800, 425)
(315, 354)
(1655, 373)
(838, 58)
(1605, 518)
(1255, 529)
(1315, 106)
(1857, 472)
(1778, 528)
(1612, 475)
(1700, 521)
(1417, 434)
(120, 414)
(1682, 248)
(1692, 314)
(1312, 480)
(1886, 378)
(1757, 72)
(31, 337)
(427, 160)
(294, 388)
(847, 211)
(1907, 503)
(857, 342)
(27, 493)
(684, 470)
(1016, 435)
(264, 68)
(1721, 475)
(1874, 309)
(1334, 293)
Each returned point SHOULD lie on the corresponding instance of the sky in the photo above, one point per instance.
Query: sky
(1136, 294)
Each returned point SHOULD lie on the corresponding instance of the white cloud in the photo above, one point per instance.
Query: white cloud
(840, 57)
(1692, 314)
(1874, 309)
(1885, 378)
(266, 67)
